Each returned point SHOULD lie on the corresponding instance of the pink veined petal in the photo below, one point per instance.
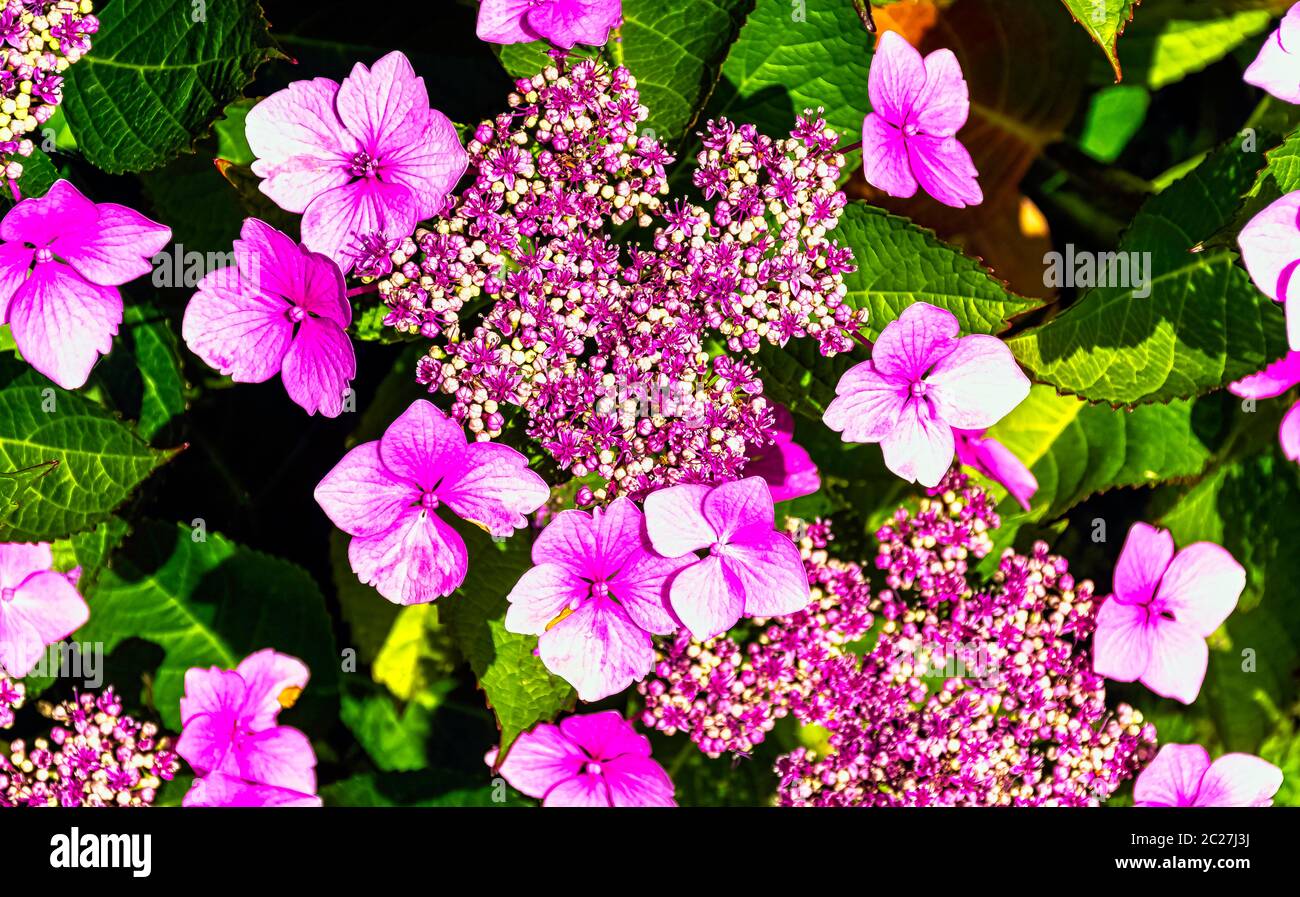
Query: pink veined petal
(494, 489)
(737, 505)
(642, 587)
(211, 691)
(1201, 587)
(1173, 777)
(335, 221)
(423, 445)
(1274, 380)
(281, 756)
(638, 782)
(1288, 434)
(583, 790)
(867, 406)
(541, 595)
(707, 598)
(605, 735)
(1144, 558)
(429, 166)
(999, 463)
(206, 740)
(570, 542)
(942, 106)
(301, 146)
(319, 366)
(897, 78)
(597, 649)
(944, 169)
(620, 533)
(41, 220)
(1179, 658)
(675, 522)
(52, 605)
(978, 384)
(15, 265)
(885, 163)
(919, 339)
(771, 572)
(19, 560)
(117, 249)
(386, 106)
(360, 496)
(568, 22)
(63, 323)
(787, 468)
(1121, 647)
(1276, 70)
(242, 333)
(21, 646)
(1270, 246)
(217, 789)
(920, 448)
(1239, 780)
(267, 674)
(505, 22)
(541, 758)
(417, 560)
(273, 264)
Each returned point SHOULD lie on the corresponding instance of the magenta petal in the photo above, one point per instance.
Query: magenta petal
(568, 22)
(944, 169)
(1143, 560)
(301, 146)
(1270, 246)
(385, 106)
(15, 265)
(52, 605)
(896, 79)
(1179, 659)
(570, 542)
(738, 505)
(675, 521)
(771, 573)
(976, 385)
(597, 649)
(541, 595)
(62, 323)
(910, 346)
(21, 646)
(867, 405)
(707, 598)
(1274, 380)
(504, 22)
(1288, 433)
(495, 489)
(211, 691)
(206, 740)
(272, 264)
(642, 587)
(1276, 70)
(423, 445)
(943, 105)
(430, 165)
(360, 496)
(280, 756)
(583, 790)
(241, 333)
(62, 211)
(220, 790)
(638, 782)
(417, 560)
(620, 533)
(118, 249)
(1121, 647)
(20, 560)
(540, 759)
(605, 735)
(267, 674)
(1201, 587)
(998, 463)
(885, 164)
(787, 468)
(1173, 777)
(1239, 780)
(319, 366)
(920, 448)
(336, 220)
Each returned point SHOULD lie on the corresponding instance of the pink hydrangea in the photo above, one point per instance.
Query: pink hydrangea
(38, 606)
(784, 465)
(386, 494)
(363, 161)
(61, 261)
(1181, 775)
(1277, 67)
(562, 22)
(280, 309)
(922, 382)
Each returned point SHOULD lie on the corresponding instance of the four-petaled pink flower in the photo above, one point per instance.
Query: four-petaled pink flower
(1277, 67)
(363, 161)
(1274, 380)
(1270, 249)
(279, 309)
(596, 760)
(918, 106)
(596, 594)
(1182, 775)
(922, 382)
(1153, 628)
(61, 261)
(230, 730)
(38, 606)
(995, 461)
(785, 465)
(562, 22)
(385, 495)
(751, 569)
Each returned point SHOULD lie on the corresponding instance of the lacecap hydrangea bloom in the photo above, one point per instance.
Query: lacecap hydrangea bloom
(38, 606)
(562, 22)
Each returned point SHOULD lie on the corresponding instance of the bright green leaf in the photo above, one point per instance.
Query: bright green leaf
(1104, 20)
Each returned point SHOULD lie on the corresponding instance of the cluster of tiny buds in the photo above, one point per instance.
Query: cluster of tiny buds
(12, 695)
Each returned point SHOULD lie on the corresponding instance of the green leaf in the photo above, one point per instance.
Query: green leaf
(369, 615)
(96, 461)
(1115, 115)
(159, 74)
(90, 551)
(1104, 20)
(396, 740)
(518, 687)
(416, 654)
(143, 375)
(232, 143)
(429, 788)
(39, 175)
(900, 263)
(799, 377)
(202, 209)
(1203, 325)
(207, 601)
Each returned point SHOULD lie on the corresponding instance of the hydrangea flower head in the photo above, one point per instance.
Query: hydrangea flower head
(280, 309)
(1181, 775)
(562, 22)
(922, 382)
(1153, 628)
(1277, 67)
(751, 569)
(38, 606)
(997, 462)
(593, 760)
(596, 594)
(363, 161)
(1270, 249)
(785, 465)
(909, 139)
(62, 258)
(386, 495)
(230, 727)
